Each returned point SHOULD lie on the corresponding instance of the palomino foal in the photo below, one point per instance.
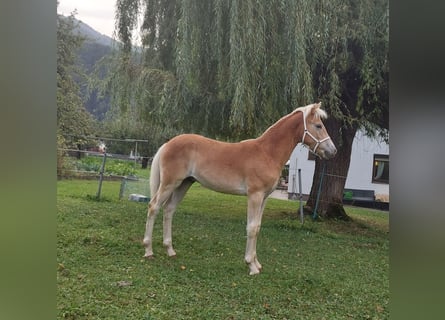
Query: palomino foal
(250, 167)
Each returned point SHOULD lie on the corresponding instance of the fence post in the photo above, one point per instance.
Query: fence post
(101, 175)
(301, 197)
(122, 189)
(315, 215)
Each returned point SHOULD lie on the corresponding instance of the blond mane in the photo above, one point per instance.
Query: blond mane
(320, 113)
(306, 109)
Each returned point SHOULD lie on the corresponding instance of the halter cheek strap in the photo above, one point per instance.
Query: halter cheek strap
(318, 142)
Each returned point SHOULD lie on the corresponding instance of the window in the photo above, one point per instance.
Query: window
(380, 168)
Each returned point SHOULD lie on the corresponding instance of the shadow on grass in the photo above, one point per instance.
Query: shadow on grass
(94, 198)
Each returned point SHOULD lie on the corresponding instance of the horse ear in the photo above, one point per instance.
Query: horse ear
(315, 106)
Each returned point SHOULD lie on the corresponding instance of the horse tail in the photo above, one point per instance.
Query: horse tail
(155, 174)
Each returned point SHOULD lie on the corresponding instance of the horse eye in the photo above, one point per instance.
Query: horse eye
(318, 126)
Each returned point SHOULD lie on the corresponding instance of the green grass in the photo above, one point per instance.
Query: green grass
(319, 270)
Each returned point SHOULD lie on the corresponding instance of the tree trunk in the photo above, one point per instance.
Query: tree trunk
(331, 194)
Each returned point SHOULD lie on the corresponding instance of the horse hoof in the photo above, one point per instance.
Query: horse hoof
(254, 271)
(150, 257)
(172, 256)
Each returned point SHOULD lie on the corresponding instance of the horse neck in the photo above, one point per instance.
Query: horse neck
(282, 137)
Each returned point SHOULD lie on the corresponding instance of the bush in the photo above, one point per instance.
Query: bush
(112, 166)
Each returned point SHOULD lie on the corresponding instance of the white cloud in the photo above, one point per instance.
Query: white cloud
(98, 14)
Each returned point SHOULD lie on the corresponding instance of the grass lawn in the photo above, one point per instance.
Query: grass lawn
(319, 270)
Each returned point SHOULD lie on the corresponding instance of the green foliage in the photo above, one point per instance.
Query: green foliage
(231, 68)
(122, 168)
(62, 163)
(89, 164)
(112, 166)
(318, 270)
(74, 123)
(141, 100)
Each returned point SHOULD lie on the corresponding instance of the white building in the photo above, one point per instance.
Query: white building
(368, 170)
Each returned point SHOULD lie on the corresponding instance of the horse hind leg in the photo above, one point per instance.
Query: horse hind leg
(158, 200)
(169, 209)
(153, 210)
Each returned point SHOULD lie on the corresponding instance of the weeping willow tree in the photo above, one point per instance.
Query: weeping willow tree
(350, 72)
(227, 64)
(230, 68)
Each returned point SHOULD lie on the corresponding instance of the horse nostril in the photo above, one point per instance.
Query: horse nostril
(332, 153)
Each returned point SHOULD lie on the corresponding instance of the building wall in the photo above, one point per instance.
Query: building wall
(360, 168)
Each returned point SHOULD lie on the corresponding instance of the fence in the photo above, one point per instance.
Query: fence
(87, 164)
(135, 189)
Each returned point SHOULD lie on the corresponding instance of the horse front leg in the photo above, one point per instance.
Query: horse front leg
(255, 209)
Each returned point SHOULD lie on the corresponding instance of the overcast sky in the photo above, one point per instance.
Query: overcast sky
(98, 14)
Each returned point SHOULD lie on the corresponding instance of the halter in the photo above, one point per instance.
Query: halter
(318, 142)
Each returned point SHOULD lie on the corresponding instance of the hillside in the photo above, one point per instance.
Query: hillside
(93, 35)
(95, 47)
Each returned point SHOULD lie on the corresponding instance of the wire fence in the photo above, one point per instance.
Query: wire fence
(135, 189)
(103, 166)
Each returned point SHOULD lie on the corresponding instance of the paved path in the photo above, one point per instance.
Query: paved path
(279, 194)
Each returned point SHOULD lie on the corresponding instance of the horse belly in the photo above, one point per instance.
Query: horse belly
(221, 183)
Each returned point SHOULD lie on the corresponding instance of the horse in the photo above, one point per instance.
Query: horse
(250, 167)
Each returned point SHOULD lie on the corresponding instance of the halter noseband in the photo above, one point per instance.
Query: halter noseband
(318, 142)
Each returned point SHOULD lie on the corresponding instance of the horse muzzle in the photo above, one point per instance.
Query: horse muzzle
(328, 152)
